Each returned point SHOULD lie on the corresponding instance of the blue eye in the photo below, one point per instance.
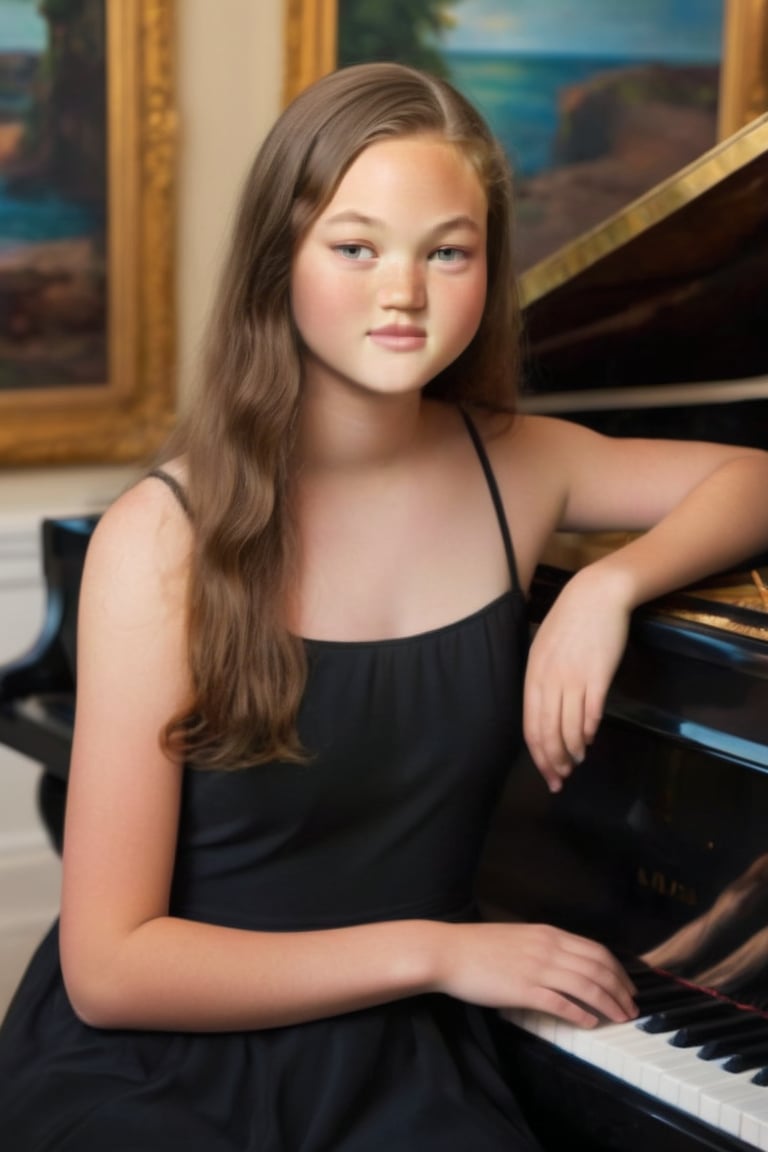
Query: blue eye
(355, 251)
(449, 255)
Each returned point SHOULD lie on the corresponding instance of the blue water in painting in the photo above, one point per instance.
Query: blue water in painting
(31, 220)
(518, 95)
(44, 218)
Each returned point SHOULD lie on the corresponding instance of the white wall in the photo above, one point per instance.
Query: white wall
(229, 73)
(28, 868)
(230, 79)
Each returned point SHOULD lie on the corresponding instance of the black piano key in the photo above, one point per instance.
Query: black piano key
(652, 1000)
(739, 1023)
(578, 1108)
(750, 1056)
(642, 974)
(761, 1077)
(663, 988)
(706, 1011)
(733, 1044)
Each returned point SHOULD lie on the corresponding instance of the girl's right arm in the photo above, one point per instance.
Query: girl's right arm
(127, 962)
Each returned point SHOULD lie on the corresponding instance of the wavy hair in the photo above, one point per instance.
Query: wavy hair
(248, 672)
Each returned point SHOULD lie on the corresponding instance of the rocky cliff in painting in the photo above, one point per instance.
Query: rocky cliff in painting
(619, 135)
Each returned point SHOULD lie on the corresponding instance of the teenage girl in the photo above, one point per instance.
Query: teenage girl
(302, 678)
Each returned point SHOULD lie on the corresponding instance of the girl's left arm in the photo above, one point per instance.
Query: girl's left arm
(700, 507)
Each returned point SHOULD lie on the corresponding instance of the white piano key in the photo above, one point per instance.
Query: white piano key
(739, 1105)
(548, 1028)
(666, 1061)
(728, 1101)
(632, 1047)
(754, 1120)
(723, 1102)
(567, 1037)
(539, 1024)
(694, 1079)
(754, 1126)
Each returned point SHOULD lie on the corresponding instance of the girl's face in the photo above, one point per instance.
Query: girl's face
(389, 283)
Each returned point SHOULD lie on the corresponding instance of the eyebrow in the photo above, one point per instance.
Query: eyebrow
(352, 217)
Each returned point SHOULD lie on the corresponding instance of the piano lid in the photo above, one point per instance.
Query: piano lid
(663, 306)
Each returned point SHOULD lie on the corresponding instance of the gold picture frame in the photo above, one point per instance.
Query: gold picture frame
(125, 418)
(311, 37)
(310, 43)
(744, 82)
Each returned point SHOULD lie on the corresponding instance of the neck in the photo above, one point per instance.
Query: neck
(355, 432)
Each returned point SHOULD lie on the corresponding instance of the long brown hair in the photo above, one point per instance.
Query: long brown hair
(248, 672)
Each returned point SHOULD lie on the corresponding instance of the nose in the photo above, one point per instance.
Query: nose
(403, 286)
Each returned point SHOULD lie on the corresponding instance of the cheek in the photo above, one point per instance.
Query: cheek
(469, 305)
(321, 301)
(306, 300)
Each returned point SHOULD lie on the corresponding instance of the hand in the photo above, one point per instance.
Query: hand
(507, 966)
(571, 664)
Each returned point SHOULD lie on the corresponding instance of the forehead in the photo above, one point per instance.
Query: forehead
(413, 171)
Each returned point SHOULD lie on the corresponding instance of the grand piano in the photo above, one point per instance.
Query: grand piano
(654, 323)
(657, 323)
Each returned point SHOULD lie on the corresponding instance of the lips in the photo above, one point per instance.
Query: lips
(399, 337)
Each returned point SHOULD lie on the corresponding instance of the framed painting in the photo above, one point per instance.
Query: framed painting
(595, 103)
(87, 146)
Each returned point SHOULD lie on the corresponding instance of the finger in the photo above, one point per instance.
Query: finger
(573, 725)
(595, 990)
(532, 705)
(603, 1006)
(554, 773)
(594, 706)
(611, 1000)
(555, 1003)
(586, 946)
(592, 961)
(542, 731)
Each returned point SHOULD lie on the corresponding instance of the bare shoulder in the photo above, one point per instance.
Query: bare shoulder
(519, 444)
(521, 429)
(496, 429)
(586, 481)
(141, 544)
(132, 626)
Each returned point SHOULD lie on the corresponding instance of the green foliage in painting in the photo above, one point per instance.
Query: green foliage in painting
(64, 145)
(405, 30)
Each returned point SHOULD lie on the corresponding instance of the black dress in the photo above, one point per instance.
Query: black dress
(412, 738)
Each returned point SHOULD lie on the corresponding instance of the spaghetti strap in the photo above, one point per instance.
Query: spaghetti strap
(175, 487)
(495, 496)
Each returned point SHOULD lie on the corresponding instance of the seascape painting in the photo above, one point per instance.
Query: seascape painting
(595, 101)
(53, 194)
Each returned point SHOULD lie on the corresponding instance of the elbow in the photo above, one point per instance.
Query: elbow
(108, 989)
(94, 989)
(88, 1014)
(92, 1000)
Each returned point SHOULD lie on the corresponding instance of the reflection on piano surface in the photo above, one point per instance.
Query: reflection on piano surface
(658, 845)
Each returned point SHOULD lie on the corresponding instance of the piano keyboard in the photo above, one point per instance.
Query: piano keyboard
(645, 1053)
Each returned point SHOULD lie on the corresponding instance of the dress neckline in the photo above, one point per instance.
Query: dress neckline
(441, 630)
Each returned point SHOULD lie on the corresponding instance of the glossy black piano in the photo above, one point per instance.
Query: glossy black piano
(656, 324)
